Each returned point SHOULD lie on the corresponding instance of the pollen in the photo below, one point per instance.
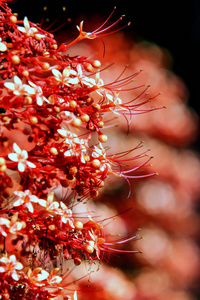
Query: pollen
(77, 261)
(28, 100)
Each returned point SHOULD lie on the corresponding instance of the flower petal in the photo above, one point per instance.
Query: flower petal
(18, 202)
(17, 80)
(16, 148)
(57, 74)
(30, 207)
(13, 156)
(42, 202)
(15, 276)
(10, 85)
(18, 266)
(30, 164)
(26, 23)
(21, 166)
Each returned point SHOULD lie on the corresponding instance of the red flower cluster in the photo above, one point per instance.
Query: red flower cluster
(54, 104)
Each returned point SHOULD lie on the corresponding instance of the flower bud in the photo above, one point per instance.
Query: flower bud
(2, 161)
(89, 249)
(15, 59)
(78, 225)
(34, 120)
(13, 19)
(103, 138)
(85, 118)
(96, 63)
(96, 163)
(53, 151)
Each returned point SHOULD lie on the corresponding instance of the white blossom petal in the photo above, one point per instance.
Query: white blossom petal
(15, 276)
(18, 202)
(30, 207)
(18, 266)
(10, 85)
(17, 80)
(30, 164)
(2, 270)
(56, 73)
(21, 166)
(16, 148)
(13, 156)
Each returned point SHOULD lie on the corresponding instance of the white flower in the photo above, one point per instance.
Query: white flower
(66, 215)
(11, 265)
(39, 94)
(37, 276)
(64, 77)
(50, 204)
(84, 79)
(4, 222)
(18, 87)
(30, 31)
(25, 198)
(21, 157)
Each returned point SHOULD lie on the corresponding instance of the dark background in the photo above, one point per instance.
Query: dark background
(167, 23)
(174, 25)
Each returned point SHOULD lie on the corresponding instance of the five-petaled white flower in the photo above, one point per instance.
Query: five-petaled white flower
(30, 31)
(11, 265)
(64, 77)
(26, 198)
(66, 215)
(84, 79)
(18, 87)
(21, 157)
(38, 276)
(39, 94)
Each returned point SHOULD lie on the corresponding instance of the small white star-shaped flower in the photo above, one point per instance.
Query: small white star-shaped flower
(18, 87)
(64, 77)
(11, 265)
(20, 156)
(26, 198)
(39, 94)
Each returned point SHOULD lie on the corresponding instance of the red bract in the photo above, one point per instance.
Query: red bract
(52, 108)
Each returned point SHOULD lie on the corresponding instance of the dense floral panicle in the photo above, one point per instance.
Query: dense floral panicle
(56, 105)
